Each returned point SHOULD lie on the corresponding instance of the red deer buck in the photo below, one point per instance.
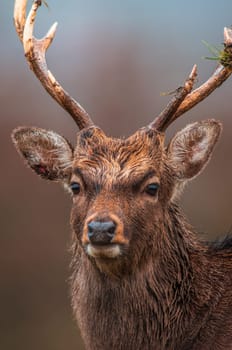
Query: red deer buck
(141, 278)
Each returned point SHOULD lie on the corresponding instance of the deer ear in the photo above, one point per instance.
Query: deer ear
(191, 148)
(46, 152)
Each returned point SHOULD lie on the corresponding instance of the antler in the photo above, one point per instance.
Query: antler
(35, 51)
(184, 99)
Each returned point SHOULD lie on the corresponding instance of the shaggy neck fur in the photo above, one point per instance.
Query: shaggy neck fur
(152, 306)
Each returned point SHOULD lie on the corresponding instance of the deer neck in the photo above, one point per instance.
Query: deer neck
(166, 286)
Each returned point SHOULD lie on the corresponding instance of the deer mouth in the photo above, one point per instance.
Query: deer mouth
(110, 251)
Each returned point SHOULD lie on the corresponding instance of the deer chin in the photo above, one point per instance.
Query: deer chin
(109, 251)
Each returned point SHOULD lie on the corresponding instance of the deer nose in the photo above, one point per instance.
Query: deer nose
(101, 232)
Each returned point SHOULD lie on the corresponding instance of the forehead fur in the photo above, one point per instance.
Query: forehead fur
(99, 154)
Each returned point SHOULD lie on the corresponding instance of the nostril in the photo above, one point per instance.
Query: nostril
(101, 232)
(91, 226)
(111, 229)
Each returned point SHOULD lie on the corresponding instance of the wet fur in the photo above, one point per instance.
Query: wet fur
(179, 300)
(167, 290)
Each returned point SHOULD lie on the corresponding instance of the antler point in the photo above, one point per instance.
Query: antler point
(227, 36)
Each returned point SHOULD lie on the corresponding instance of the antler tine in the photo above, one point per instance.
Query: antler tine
(165, 118)
(184, 99)
(35, 51)
(20, 17)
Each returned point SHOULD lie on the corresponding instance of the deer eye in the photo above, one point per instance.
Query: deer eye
(75, 187)
(152, 189)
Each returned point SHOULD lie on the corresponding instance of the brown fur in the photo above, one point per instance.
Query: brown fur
(166, 289)
(141, 278)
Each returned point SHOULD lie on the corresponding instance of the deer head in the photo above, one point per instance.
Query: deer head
(119, 187)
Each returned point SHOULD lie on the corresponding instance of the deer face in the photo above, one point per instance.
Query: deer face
(114, 183)
(120, 188)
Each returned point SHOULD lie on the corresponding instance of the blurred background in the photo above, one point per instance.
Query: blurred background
(116, 58)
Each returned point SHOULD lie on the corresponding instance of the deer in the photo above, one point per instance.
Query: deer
(141, 276)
